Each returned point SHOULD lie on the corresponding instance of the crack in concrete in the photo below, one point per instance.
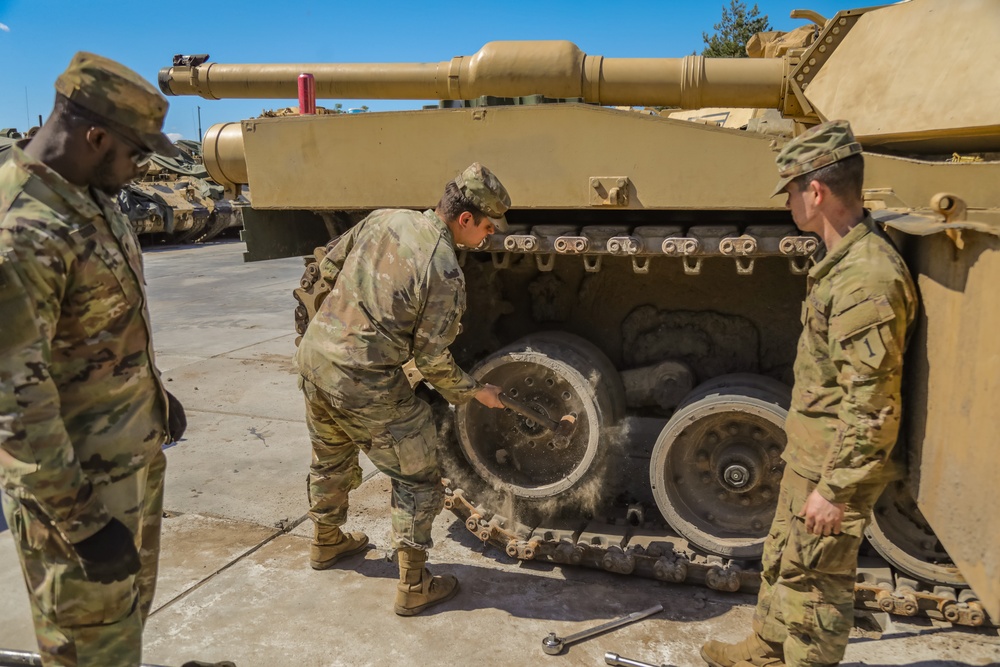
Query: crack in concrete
(244, 414)
(285, 531)
(292, 526)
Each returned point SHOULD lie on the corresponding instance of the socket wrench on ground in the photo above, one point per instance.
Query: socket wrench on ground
(616, 660)
(553, 645)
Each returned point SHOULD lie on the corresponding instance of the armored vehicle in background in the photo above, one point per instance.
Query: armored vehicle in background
(8, 137)
(176, 198)
(649, 285)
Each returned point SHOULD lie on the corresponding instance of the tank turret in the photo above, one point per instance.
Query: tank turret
(864, 65)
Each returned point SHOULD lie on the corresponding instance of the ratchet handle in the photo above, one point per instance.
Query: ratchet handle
(529, 412)
(616, 660)
(611, 625)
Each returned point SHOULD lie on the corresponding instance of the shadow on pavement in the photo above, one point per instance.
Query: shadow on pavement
(548, 591)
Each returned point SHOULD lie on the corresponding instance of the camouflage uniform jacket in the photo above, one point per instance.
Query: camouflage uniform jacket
(397, 292)
(81, 403)
(846, 405)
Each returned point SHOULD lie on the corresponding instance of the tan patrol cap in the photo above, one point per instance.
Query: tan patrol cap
(815, 148)
(484, 189)
(116, 94)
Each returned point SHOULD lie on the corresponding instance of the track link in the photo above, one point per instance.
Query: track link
(651, 552)
(644, 243)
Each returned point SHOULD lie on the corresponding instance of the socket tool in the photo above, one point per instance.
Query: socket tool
(562, 429)
(553, 645)
(616, 660)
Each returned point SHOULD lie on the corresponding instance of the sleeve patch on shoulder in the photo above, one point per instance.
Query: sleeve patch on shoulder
(869, 348)
(864, 315)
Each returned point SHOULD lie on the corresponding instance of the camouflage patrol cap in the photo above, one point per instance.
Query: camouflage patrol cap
(116, 94)
(815, 148)
(484, 189)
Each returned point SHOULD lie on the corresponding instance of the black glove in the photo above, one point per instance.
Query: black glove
(109, 554)
(176, 422)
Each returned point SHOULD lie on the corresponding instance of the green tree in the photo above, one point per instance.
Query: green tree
(734, 31)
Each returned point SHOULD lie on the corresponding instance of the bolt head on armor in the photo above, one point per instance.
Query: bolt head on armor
(815, 148)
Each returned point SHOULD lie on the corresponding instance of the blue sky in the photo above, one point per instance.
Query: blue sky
(38, 38)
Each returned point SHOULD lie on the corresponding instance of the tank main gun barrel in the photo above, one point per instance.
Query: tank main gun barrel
(557, 69)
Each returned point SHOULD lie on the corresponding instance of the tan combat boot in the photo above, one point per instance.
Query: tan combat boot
(751, 651)
(330, 544)
(417, 588)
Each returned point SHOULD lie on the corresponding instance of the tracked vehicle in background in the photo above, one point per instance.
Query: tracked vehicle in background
(9, 136)
(173, 200)
(650, 287)
(176, 199)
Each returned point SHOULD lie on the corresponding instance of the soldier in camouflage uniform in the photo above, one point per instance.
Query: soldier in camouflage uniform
(845, 412)
(397, 293)
(83, 414)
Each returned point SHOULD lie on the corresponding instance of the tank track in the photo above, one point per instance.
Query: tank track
(651, 551)
(643, 243)
(627, 545)
(592, 243)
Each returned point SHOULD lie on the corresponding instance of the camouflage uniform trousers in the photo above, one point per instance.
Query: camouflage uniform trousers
(806, 599)
(79, 623)
(399, 438)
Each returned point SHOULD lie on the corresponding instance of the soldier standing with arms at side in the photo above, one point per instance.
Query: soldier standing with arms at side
(845, 412)
(397, 292)
(83, 414)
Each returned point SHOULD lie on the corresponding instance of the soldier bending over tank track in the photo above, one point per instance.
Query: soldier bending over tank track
(396, 292)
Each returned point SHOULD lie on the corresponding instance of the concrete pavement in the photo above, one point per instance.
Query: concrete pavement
(235, 582)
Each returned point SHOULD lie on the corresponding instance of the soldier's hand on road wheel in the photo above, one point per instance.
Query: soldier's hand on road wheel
(489, 396)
